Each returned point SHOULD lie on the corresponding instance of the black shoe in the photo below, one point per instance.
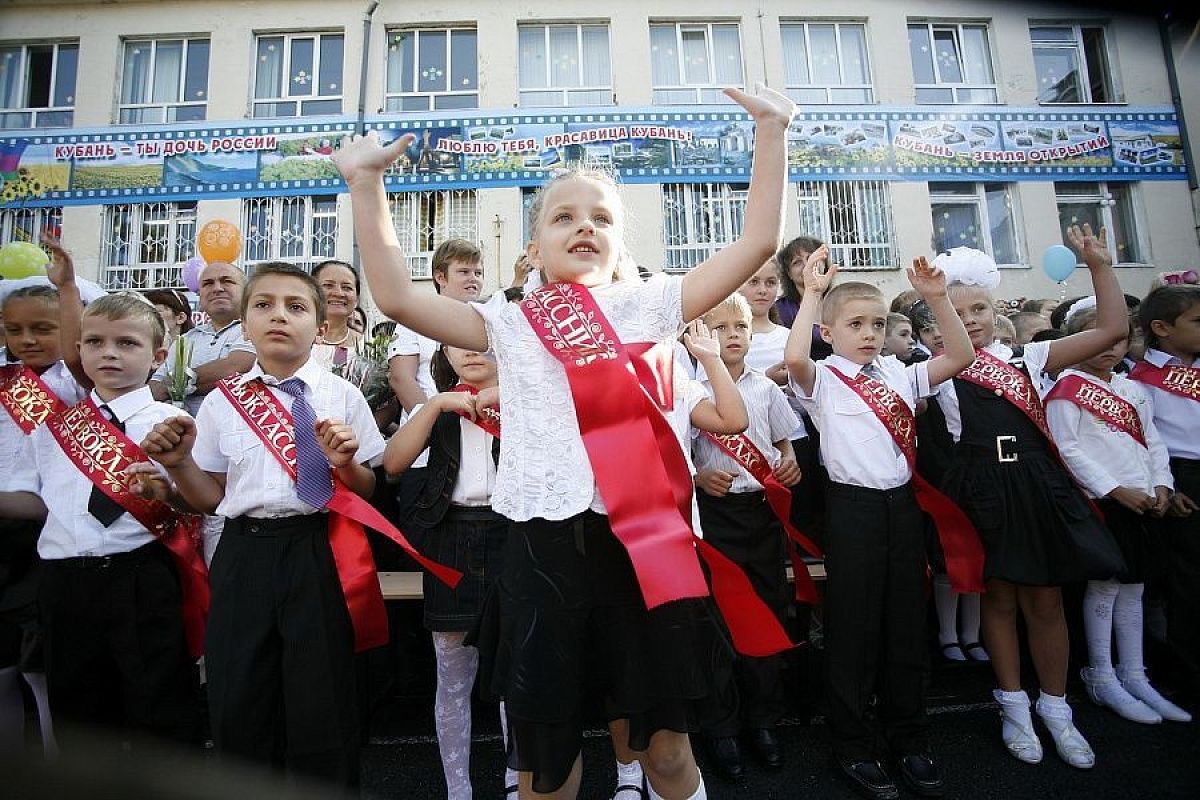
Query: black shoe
(920, 774)
(869, 780)
(766, 747)
(726, 757)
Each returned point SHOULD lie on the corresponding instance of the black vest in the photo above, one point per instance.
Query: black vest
(445, 452)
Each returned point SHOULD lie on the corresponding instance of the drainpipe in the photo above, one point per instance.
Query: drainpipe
(366, 59)
(1164, 31)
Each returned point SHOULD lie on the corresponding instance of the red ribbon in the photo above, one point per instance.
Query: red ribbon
(779, 497)
(1176, 379)
(639, 466)
(102, 452)
(486, 418)
(961, 545)
(1101, 402)
(349, 513)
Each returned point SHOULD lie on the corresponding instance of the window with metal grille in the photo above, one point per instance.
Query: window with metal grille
(699, 219)
(952, 63)
(424, 220)
(164, 80)
(432, 68)
(299, 230)
(37, 85)
(1113, 206)
(826, 62)
(1072, 64)
(692, 62)
(27, 224)
(145, 245)
(854, 218)
(298, 74)
(564, 65)
(978, 215)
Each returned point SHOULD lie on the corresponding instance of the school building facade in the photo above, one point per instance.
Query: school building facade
(924, 125)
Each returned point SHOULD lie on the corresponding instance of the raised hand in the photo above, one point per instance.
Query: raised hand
(927, 279)
(170, 441)
(817, 273)
(701, 342)
(363, 157)
(338, 441)
(1092, 249)
(766, 105)
(61, 269)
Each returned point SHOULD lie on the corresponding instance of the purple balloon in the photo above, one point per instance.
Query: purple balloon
(191, 273)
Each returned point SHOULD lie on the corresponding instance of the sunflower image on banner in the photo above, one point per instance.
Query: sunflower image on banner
(24, 181)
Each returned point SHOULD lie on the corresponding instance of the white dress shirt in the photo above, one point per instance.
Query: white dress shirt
(1102, 458)
(207, 344)
(59, 380)
(855, 446)
(44, 469)
(1035, 355)
(476, 469)
(410, 343)
(256, 484)
(1177, 418)
(544, 469)
(771, 420)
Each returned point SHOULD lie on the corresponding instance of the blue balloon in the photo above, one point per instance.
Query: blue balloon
(1059, 262)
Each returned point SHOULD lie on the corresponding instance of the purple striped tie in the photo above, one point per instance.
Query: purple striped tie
(314, 483)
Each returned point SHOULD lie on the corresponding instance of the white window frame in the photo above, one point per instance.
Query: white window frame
(713, 88)
(27, 224)
(297, 101)
(978, 200)
(964, 86)
(269, 245)
(165, 107)
(705, 216)
(399, 96)
(567, 92)
(1105, 200)
(36, 112)
(793, 89)
(178, 237)
(415, 216)
(831, 210)
(1081, 54)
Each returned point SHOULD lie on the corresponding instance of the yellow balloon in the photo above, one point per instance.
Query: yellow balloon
(219, 241)
(22, 260)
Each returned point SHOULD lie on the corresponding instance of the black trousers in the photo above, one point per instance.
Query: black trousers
(116, 654)
(1183, 569)
(744, 528)
(280, 650)
(875, 620)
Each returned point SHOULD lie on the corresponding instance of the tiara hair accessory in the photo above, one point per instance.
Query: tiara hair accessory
(969, 267)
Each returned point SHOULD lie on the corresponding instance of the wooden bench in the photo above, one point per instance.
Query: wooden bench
(407, 585)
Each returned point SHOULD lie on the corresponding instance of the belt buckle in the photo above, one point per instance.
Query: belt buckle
(1001, 456)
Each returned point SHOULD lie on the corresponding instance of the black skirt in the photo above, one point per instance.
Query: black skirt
(470, 540)
(565, 636)
(20, 576)
(1140, 538)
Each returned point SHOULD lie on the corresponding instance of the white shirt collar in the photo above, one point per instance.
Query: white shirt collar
(311, 373)
(1000, 350)
(1161, 359)
(847, 367)
(126, 405)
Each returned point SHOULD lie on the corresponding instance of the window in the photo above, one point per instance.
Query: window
(693, 62)
(27, 224)
(1072, 64)
(298, 230)
(854, 218)
(952, 63)
(1104, 205)
(164, 80)
(826, 62)
(429, 69)
(37, 85)
(978, 215)
(564, 65)
(145, 245)
(424, 220)
(298, 75)
(699, 219)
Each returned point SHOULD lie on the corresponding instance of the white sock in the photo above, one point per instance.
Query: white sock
(1127, 620)
(456, 668)
(37, 685)
(1054, 711)
(699, 794)
(12, 713)
(945, 600)
(968, 612)
(1098, 603)
(511, 776)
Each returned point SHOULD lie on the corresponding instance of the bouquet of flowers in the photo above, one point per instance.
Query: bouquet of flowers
(366, 367)
(180, 384)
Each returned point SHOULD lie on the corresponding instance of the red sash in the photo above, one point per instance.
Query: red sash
(8, 372)
(638, 464)
(348, 513)
(102, 452)
(1177, 379)
(1102, 403)
(1001, 377)
(739, 447)
(28, 400)
(960, 541)
(486, 418)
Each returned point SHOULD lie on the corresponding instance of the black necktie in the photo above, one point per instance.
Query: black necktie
(101, 506)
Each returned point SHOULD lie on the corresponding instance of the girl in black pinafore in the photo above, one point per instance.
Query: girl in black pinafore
(1037, 528)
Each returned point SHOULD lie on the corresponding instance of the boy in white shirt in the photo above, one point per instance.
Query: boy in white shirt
(874, 546)
(280, 642)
